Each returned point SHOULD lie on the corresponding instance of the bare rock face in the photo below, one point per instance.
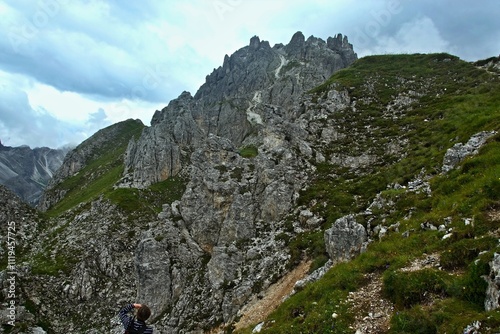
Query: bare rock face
(219, 241)
(492, 300)
(232, 102)
(18, 227)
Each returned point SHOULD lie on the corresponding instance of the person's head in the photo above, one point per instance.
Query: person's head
(143, 313)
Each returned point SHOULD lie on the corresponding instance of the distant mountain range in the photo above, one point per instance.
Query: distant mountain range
(26, 172)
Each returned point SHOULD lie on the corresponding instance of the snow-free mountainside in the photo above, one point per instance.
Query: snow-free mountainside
(26, 171)
(300, 190)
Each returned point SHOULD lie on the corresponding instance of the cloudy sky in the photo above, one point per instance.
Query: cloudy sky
(71, 67)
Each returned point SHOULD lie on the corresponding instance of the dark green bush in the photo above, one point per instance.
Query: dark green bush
(464, 251)
(414, 321)
(472, 287)
(406, 289)
(492, 190)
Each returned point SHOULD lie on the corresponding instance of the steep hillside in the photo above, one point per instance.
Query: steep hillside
(91, 167)
(234, 192)
(27, 171)
(415, 160)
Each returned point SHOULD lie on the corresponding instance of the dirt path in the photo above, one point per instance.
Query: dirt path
(373, 311)
(259, 309)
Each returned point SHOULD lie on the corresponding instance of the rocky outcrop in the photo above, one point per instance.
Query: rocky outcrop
(345, 239)
(492, 300)
(228, 220)
(233, 101)
(18, 226)
(27, 171)
(460, 151)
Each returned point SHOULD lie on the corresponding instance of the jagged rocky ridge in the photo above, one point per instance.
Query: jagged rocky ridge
(204, 256)
(239, 97)
(27, 171)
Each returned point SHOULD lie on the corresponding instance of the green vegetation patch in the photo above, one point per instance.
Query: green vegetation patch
(100, 173)
(406, 289)
(248, 152)
(149, 200)
(44, 264)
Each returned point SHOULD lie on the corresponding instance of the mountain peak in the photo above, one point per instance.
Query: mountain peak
(254, 43)
(233, 98)
(298, 38)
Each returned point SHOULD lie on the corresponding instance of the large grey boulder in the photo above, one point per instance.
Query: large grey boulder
(345, 239)
(460, 151)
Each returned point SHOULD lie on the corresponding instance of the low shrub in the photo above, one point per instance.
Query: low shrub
(414, 321)
(406, 289)
(463, 252)
(471, 287)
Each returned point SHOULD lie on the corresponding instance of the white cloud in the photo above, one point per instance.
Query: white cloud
(417, 36)
(39, 115)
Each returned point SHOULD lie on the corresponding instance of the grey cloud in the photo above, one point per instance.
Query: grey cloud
(471, 30)
(97, 117)
(20, 124)
(104, 59)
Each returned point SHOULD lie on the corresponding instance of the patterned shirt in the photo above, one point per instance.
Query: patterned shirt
(126, 319)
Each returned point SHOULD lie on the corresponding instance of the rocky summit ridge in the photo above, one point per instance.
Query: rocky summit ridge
(273, 164)
(234, 101)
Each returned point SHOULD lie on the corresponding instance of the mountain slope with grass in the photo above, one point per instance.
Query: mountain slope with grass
(433, 231)
(378, 190)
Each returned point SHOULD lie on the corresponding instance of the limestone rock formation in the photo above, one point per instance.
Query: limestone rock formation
(492, 300)
(234, 101)
(345, 239)
(18, 227)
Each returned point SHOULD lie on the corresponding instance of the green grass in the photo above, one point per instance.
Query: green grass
(99, 173)
(44, 264)
(139, 201)
(406, 289)
(249, 151)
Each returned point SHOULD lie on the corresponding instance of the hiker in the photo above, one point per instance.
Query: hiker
(132, 325)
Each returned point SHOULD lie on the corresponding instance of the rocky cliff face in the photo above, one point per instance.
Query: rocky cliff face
(234, 101)
(27, 171)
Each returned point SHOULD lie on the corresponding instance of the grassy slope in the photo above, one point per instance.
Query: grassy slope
(96, 180)
(99, 176)
(460, 100)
